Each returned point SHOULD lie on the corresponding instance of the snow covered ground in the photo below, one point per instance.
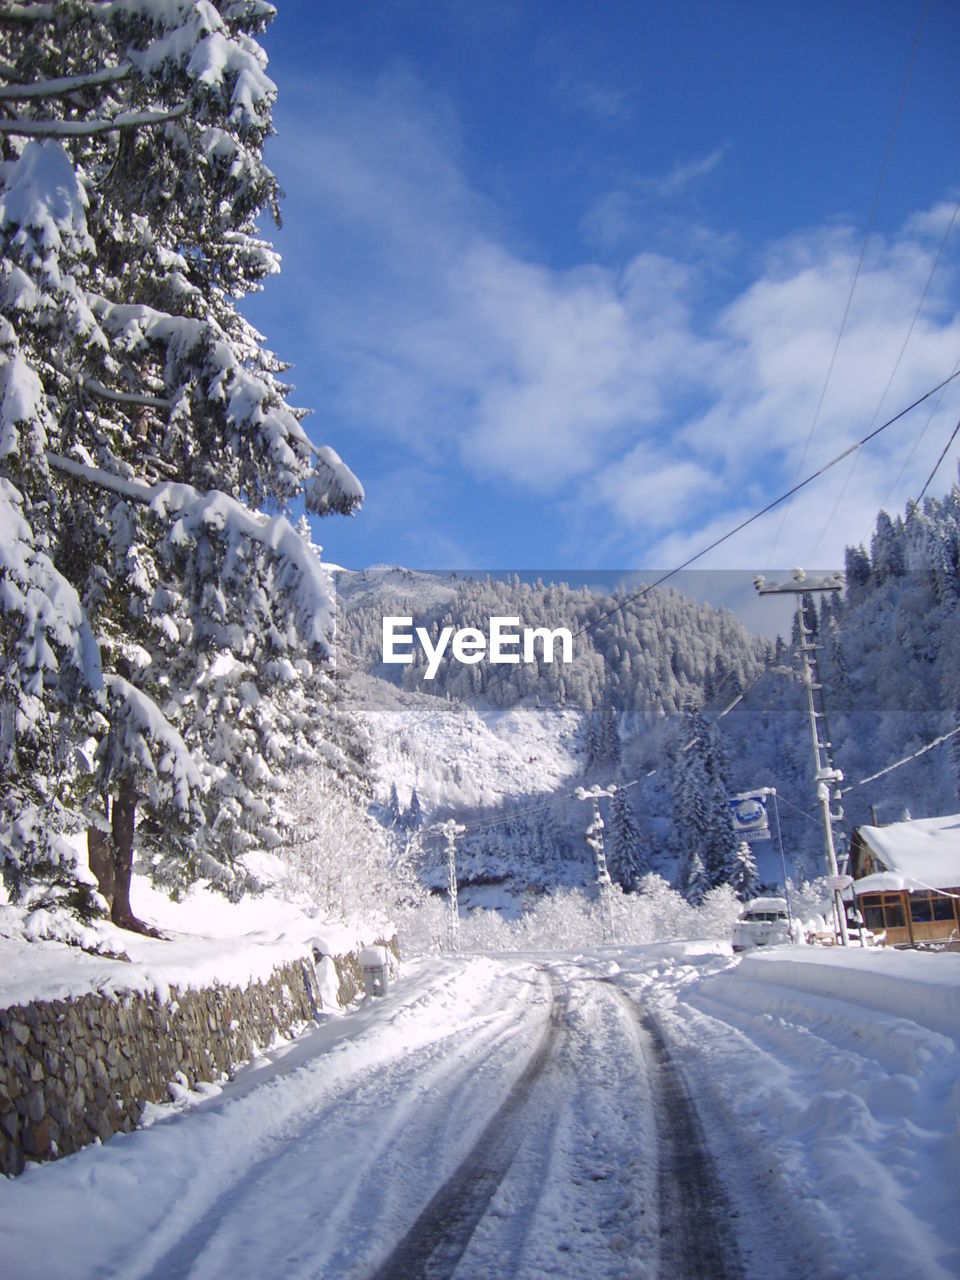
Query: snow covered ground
(829, 1085)
(206, 939)
(526, 1116)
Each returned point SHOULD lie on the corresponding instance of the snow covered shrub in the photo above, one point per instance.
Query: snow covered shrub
(567, 916)
(718, 911)
(423, 927)
(570, 917)
(154, 622)
(337, 857)
(655, 913)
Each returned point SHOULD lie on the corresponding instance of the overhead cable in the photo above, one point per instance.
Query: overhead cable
(946, 448)
(937, 742)
(916, 443)
(863, 251)
(886, 389)
(770, 506)
(757, 515)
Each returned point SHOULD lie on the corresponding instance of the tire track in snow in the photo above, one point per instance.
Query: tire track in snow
(695, 1238)
(238, 1190)
(439, 1237)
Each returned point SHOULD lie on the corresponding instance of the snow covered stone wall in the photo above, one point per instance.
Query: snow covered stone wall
(77, 1070)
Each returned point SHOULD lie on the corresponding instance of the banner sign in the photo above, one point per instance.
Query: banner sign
(749, 813)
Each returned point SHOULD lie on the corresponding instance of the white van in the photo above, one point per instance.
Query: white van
(763, 922)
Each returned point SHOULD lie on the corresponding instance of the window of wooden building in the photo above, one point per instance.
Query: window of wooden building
(883, 911)
(928, 907)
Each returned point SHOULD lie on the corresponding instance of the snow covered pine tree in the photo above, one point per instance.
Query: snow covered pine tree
(630, 862)
(163, 642)
(706, 832)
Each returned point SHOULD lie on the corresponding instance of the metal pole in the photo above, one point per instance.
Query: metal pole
(450, 831)
(783, 861)
(594, 838)
(824, 773)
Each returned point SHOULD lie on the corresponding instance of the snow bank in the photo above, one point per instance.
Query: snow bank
(207, 940)
(827, 1081)
(907, 984)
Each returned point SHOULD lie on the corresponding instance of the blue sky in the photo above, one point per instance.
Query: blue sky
(563, 284)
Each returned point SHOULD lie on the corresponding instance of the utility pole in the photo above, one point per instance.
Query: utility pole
(594, 838)
(826, 773)
(450, 830)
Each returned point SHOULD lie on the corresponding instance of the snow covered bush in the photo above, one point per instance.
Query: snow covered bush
(164, 631)
(570, 917)
(337, 858)
(423, 928)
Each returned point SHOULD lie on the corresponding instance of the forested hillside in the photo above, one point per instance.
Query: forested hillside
(645, 660)
(652, 684)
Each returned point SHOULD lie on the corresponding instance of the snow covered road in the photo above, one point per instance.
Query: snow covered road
(510, 1116)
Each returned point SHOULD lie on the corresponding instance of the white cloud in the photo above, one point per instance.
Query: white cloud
(683, 175)
(628, 211)
(648, 490)
(613, 389)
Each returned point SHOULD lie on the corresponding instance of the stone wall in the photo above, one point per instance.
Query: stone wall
(73, 1071)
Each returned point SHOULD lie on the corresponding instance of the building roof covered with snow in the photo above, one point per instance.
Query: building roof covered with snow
(917, 854)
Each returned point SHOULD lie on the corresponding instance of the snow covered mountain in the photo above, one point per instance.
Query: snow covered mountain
(503, 748)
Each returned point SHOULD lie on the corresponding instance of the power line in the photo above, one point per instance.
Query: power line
(784, 497)
(937, 742)
(860, 260)
(946, 448)
(893, 374)
(757, 515)
(916, 443)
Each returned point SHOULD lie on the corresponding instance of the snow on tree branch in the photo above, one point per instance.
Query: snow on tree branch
(334, 486)
(145, 738)
(26, 12)
(43, 202)
(63, 85)
(192, 514)
(23, 128)
(40, 602)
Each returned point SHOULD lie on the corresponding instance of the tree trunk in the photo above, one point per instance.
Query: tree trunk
(8, 737)
(124, 821)
(100, 858)
(123, 824)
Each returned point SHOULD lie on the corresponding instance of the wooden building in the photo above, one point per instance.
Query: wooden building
(907, 879)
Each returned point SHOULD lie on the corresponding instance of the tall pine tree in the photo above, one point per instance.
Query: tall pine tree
(149, 607)
(629, 861)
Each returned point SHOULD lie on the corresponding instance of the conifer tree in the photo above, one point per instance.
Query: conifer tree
(690, 814)
(413, 818)
(610, 733)
(696, 884)
(744, 880)
(149, 605)
(628, 857)
(394, 808)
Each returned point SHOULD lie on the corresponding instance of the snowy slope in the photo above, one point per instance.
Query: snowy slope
(380, 582)
(205, 939)
(462, 757)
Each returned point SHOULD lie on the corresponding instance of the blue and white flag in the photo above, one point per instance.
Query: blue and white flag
(749, 813)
